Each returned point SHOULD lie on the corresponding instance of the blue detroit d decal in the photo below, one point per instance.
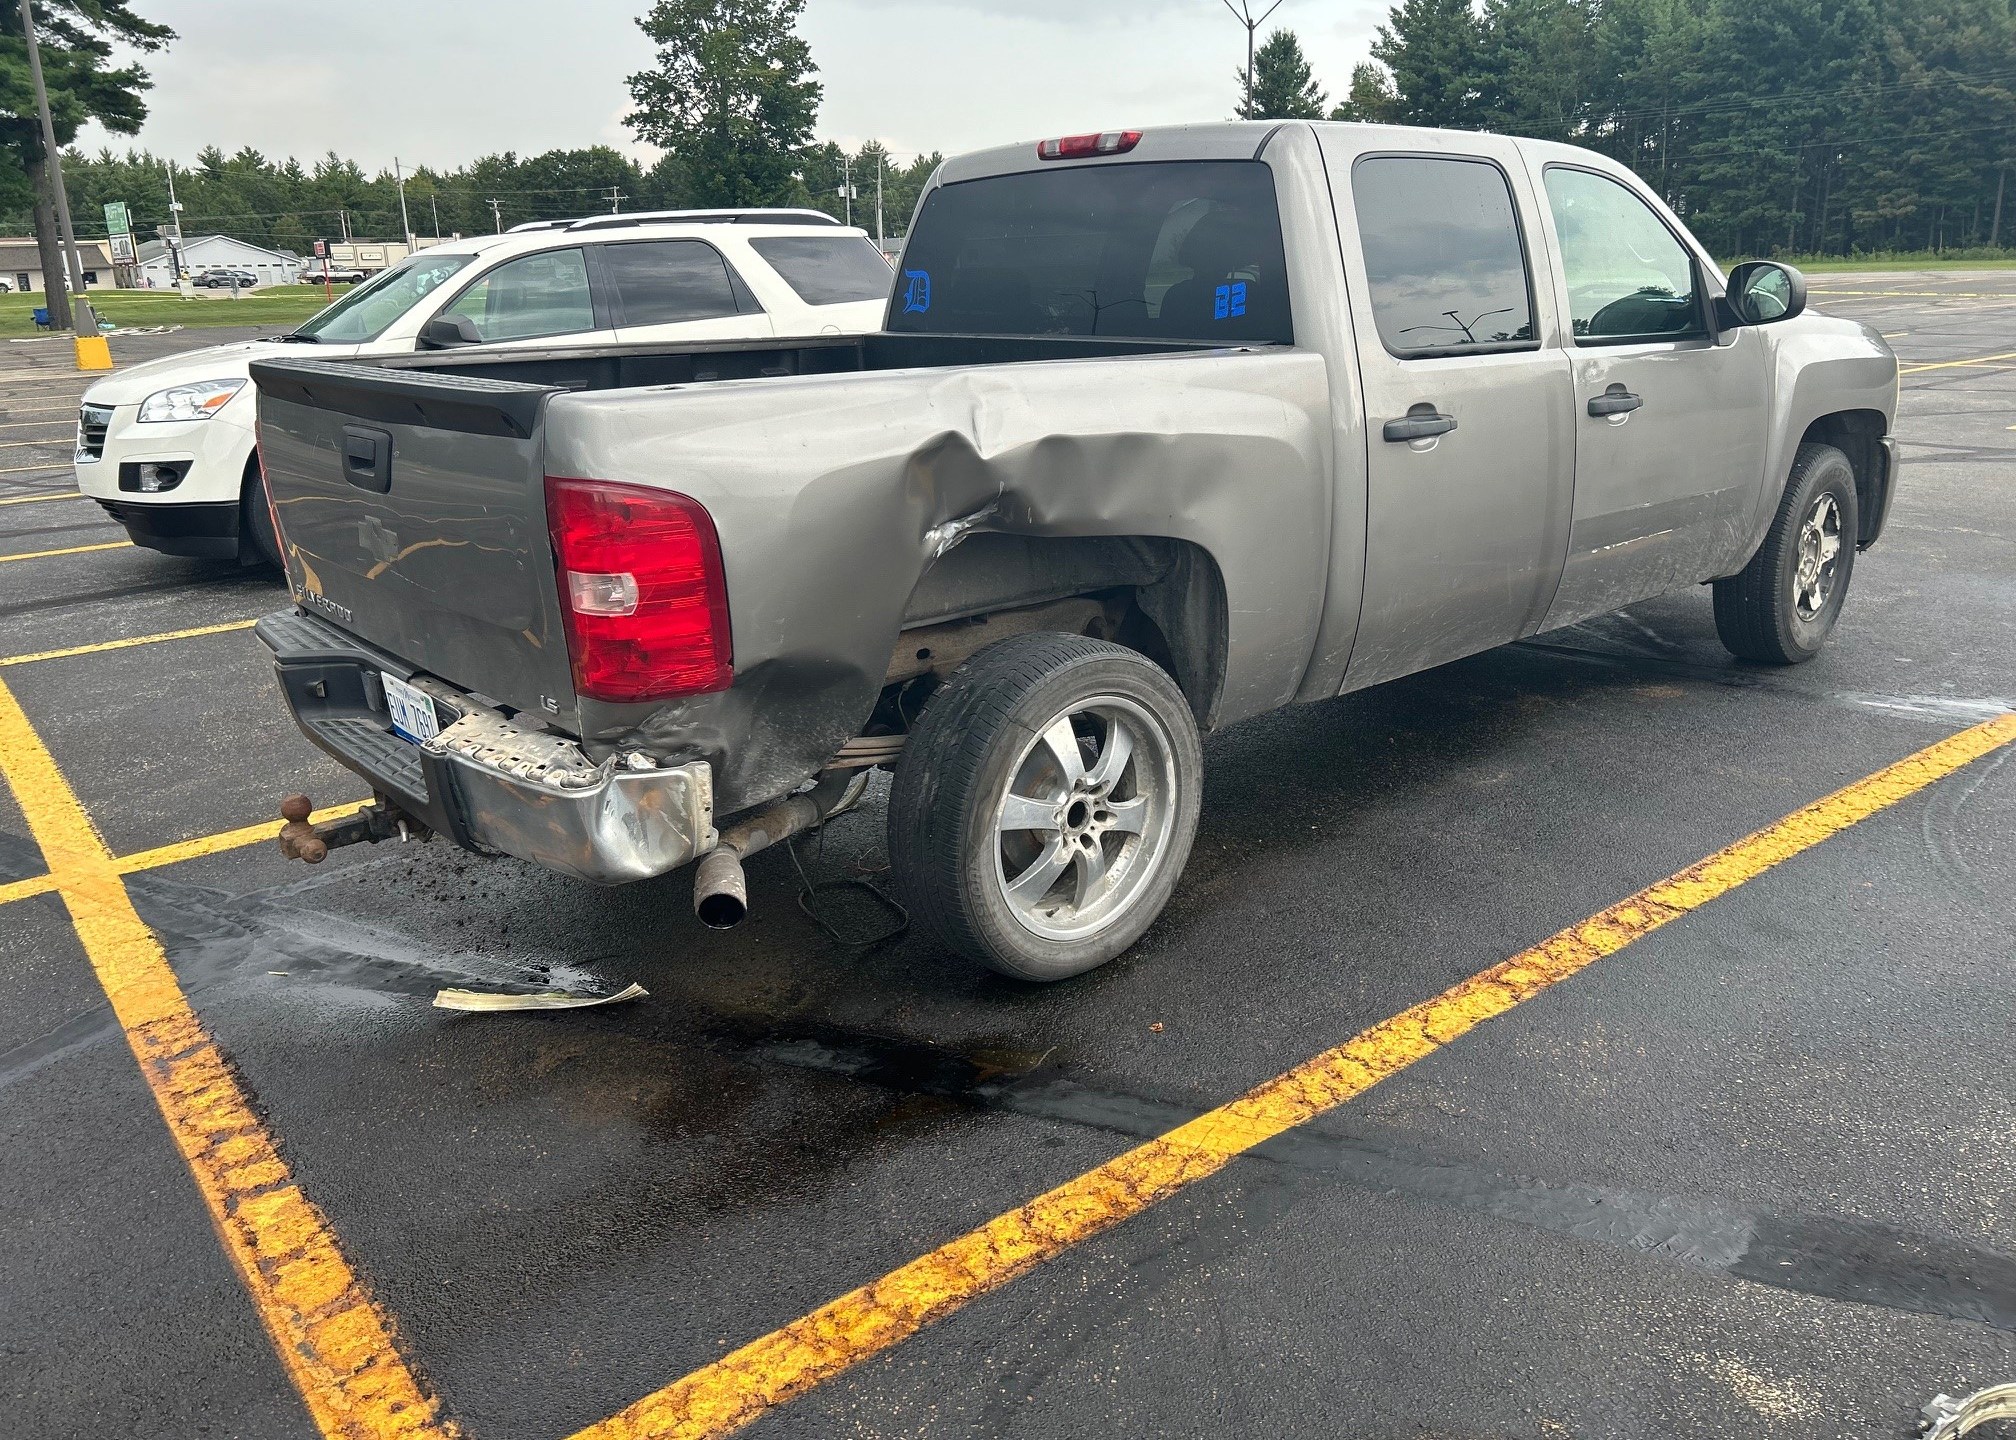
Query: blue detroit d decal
(916, 291)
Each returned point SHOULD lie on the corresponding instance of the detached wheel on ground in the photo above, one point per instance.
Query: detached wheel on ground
(1045, 804)
(257, 544)
(1783, 605)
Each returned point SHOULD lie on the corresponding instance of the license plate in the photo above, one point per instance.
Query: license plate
(412, 710)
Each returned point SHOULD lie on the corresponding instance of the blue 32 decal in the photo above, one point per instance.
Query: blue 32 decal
(1229, 301)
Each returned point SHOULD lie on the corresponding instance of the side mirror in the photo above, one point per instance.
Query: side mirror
(444, 331)
(1763, 291)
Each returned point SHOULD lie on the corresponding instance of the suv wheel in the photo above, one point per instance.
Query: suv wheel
(1045, 804)
(257, 544)
(1782, 606)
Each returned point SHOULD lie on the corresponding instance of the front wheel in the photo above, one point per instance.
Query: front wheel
(257, 544)
(1045, 804)
(1782, 606)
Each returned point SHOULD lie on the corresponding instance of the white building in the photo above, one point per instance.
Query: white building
(217, 252)
(21, 263)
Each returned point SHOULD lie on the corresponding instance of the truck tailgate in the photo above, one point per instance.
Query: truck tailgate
(413, 514)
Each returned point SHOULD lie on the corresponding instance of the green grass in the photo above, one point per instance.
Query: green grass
(1836, 265)
(279, 306)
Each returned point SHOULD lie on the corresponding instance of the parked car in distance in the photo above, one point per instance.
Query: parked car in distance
(317, 274)
(1166, 429)
(225, 279)
(6, 287)
(167, 446)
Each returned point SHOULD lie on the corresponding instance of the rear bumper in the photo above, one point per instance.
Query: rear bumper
(486, 782)
(205, 531)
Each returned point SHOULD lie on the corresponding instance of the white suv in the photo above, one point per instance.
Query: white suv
(167, 446)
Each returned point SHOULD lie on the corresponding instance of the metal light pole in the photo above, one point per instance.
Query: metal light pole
(72, 260)
(1244, 15)
(175, 240)
(399, 178)
(880, 242)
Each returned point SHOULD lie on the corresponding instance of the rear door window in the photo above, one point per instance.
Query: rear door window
(665, 282)
(530, 297)
(1443, 255)
(1628, 277)
(1185, 250)
(827, 271)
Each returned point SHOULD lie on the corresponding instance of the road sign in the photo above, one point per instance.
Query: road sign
(117, 222)
(321, 249)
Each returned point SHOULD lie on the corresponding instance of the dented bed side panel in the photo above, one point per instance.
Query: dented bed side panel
(833, 495)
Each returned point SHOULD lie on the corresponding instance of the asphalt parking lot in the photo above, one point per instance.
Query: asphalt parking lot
(1740, 1161)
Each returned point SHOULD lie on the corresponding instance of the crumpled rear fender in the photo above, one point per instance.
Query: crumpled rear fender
(833, 494)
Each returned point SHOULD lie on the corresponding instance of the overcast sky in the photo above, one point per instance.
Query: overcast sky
(440, 82)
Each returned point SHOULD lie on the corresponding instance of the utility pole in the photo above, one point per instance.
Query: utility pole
(72, 259)
(497, 214)
(404, 224)
(847, 184)
(616, 199)
(1995, 226)
(435, 205)
(1244, 15)
(880, 243)
(175, 237)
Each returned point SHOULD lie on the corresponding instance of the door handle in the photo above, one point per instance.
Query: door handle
(1614, 401)
(1421, 422)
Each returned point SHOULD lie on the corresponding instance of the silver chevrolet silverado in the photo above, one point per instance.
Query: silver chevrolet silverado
(1165, 429)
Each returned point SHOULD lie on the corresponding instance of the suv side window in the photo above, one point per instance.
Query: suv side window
(1444, 255)
(662, 282)
(534, 295)
(1628, 277)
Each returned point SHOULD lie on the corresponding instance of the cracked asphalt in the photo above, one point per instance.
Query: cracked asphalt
(1751, 1175)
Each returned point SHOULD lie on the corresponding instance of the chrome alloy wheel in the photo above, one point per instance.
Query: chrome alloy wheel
(1086, 818)
(1819, 556)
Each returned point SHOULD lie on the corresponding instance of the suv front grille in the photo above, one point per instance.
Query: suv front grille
(92, 423)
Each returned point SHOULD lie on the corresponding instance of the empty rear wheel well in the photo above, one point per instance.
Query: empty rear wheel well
(1858, 434)
(1162, 597)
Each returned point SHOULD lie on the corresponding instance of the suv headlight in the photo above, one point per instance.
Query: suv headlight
(189, 402)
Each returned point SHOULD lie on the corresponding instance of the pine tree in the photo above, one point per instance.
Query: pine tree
(1432, 48)
(1283, 87)
(1371, 100)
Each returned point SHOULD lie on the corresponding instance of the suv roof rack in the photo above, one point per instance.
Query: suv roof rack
(683, 217)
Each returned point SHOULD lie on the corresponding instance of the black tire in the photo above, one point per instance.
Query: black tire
(257, 544)
(973, 740)
(1763, 613)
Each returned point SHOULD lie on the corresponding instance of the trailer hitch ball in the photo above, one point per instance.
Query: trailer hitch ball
(298, 840)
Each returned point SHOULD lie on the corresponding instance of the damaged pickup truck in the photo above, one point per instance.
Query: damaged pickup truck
(1165, 429)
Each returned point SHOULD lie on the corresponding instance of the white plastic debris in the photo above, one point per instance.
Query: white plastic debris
(485, 1000)
(1949, 1419)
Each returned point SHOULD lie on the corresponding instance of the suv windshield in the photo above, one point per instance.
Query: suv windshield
(1185, 249)
(827, 271)
(366, 312)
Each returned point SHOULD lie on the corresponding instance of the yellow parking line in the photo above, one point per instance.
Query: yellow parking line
(180, 850)
(33, 469)
(37, 424)
(62, 440)
(31, 499)
(1949, 364)
(329, 1333)
(722, 1397)
(71, 550)
(103, 645)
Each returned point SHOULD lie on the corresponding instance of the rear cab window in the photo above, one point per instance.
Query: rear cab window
(1187, 249)
(827, 270)
(1444, 255)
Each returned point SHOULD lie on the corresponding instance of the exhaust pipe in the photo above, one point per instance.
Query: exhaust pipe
(720, 889)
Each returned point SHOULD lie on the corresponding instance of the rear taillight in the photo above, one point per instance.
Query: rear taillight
(1079, 147)
(641, 585)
